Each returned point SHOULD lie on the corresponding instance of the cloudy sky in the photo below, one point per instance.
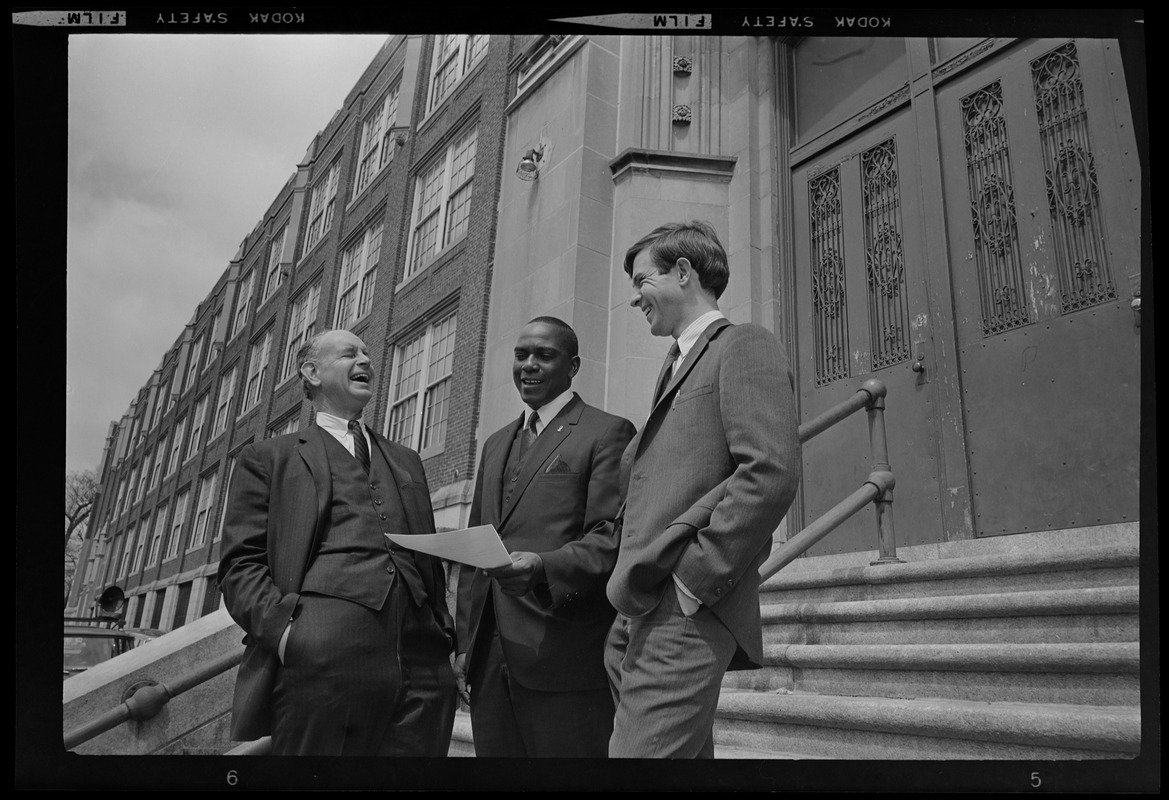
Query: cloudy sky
(177, 144)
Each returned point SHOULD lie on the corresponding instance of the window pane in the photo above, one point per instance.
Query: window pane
(434, 421)
(425, 241)
(410, 357)
(402, 421)
(442, 350)
(457, 215)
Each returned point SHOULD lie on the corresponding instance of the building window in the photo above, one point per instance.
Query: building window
(160, 402)
(321, 206)
(203, 510)
(156, 539)
(181, 603)
(176, 527)
(151, 415)
(134, 424)
(282, 429)
(274, 276)
(159, 462)
(223, 403)
(213, 346)
(127, 551)
(454, 56)
(302, 321)
(358, 277)
(243, 302)
(442, 202)
(197, 419)
(423, 381)
(120, 505)
(210, 596)
(90, 568)
(143, 478)
(140, 547)
(377, 146)
(256, 368)
(156, 614)
(176, 447)
(132, 488)
(193, 363)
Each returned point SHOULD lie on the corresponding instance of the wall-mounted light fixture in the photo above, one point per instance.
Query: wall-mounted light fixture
(530, 164)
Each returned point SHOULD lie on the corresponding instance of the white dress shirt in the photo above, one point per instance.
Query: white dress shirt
(338, 427)
(547, 412)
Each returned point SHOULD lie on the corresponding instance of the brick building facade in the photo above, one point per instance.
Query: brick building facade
(385, 228)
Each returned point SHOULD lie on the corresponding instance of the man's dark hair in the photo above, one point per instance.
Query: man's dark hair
(567, 335)
(695, 241)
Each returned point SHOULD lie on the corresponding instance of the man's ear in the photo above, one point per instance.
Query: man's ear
(308, 371)
(573, 366)
(685, 271)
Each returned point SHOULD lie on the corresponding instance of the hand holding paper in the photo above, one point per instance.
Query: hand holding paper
(521, 575)
(479, 546)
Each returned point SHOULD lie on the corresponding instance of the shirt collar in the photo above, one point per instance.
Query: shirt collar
(547, 412)
(695, 329)
(338, 426)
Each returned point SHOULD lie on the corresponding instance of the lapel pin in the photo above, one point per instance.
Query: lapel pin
(559, 429)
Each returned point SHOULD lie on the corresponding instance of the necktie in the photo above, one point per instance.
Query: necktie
(529, 436)
(360, 447)
(667, 371)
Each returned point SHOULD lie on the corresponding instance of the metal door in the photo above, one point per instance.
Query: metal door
(863, 314)
(1042, 199)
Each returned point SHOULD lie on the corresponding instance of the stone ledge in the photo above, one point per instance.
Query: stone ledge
(977, 566)
(664, 162)
(1120, 657)
(1109, 600)
(1036, 543)
(1113, 729)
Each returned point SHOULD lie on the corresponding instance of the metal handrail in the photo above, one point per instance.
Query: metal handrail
(147, 698)
(877, 488)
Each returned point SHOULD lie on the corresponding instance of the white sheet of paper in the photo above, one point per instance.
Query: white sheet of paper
(479, 546)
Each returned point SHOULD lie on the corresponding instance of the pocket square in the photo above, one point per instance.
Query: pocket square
(558, 467)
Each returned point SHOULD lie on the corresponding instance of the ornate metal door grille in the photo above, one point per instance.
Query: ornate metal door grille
(884, 257)
(829, 307)
(992, 210)
(1085, 277)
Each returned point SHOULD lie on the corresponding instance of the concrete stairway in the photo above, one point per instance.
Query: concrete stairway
(1022, 647)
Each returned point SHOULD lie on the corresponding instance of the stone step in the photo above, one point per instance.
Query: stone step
(1085, 567)
(1109, 614)
(829, 726)
(1094, 674)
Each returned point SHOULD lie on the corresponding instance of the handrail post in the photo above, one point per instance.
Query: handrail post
(879, 447)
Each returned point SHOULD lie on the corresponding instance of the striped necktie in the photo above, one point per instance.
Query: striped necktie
(360, 446)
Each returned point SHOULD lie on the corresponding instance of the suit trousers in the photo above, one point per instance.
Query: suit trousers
(665, 670)
(361, 682)
(511, 721)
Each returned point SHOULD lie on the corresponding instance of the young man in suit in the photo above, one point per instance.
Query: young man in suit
(708, 480)
(348, 637)
(534, 632)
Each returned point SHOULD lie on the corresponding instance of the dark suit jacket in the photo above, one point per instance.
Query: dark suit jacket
(277, 513)
(709, 478)
(562, 508)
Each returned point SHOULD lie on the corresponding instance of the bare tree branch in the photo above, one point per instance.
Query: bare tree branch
(80, 490)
